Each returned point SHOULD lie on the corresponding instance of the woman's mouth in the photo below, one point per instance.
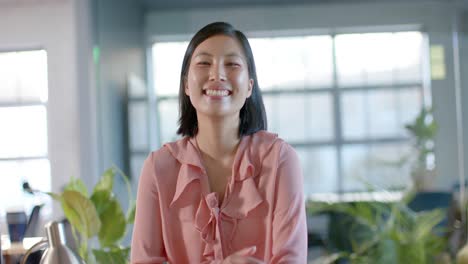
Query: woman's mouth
(216, 92)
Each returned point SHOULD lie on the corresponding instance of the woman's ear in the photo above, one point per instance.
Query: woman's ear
(251, 83)
(186, 89)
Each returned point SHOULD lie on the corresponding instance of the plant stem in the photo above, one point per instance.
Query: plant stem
(127, 184)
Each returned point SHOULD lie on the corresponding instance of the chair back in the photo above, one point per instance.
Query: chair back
(33, 222)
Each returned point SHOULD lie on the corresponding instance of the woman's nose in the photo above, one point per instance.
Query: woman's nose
(217, 73)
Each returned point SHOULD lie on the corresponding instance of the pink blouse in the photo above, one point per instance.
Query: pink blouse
(179, 220)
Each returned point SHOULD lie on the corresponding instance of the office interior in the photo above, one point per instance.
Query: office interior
(97, 51)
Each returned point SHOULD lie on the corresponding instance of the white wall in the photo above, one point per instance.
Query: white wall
(434, 17)
(86, 86)
(51, 26)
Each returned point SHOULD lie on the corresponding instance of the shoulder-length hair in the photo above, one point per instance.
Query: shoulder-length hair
(252, 114)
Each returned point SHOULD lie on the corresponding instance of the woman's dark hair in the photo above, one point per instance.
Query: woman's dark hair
(252, 114)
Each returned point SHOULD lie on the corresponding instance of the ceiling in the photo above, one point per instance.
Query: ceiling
(27, 2)
(183, 4)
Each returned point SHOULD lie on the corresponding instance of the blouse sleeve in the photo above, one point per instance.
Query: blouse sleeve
(289, 219)
(147, 241)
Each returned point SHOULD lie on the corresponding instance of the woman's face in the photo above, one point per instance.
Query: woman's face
(218, 81)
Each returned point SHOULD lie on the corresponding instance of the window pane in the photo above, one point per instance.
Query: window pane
(408, 56)
(375, 166)
(378, 58)
(382, 114)
(308, 62)
(167, 63)
(320, 125)
(24, 76)
(24, 131)
(136, 164)
(12, 175)
(299, 118)
(371, 114)
(291, 115)
(271, 113)
(410, 104)
(319, 167)
(168, 117)
(138, 122)
(354, 115)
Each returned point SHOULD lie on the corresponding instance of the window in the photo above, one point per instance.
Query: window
(23, 137)
(340, 100)
(138, 123)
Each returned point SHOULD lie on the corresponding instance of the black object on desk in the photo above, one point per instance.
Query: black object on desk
(17, 222)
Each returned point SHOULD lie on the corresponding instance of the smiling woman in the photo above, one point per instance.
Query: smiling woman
(228, 191)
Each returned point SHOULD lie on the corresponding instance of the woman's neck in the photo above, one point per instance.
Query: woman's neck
(218, 138)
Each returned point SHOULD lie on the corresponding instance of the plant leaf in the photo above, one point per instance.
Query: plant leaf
(113, 256)
(81, 213)
(329, 259)
(77, 185)
(427, 221)
(387, 251)
(101, 200)
(113, 221)
(111, 216)
(106, 182)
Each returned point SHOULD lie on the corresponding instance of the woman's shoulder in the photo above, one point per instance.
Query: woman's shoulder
(181, 150)
(167, 151)
(164, 162)
(264, 145)
(264, 140)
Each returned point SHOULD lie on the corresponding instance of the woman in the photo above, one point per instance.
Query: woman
(228, 192)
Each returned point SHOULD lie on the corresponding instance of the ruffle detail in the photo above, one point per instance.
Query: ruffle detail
(207, 220)
(242, 197)
(187, 174)
(191, 166)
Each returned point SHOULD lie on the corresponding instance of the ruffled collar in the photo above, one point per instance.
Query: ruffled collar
(243, 195)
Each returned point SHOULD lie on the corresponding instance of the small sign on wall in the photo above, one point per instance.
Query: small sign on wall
(438, 71)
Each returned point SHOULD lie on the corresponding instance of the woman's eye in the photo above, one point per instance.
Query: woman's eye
(233, 64)
(203, 63)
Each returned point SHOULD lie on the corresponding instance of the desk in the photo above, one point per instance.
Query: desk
(12, 250)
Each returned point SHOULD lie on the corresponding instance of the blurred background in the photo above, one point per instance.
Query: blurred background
(373, 95)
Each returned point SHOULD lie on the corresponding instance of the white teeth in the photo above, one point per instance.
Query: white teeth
(217, 92)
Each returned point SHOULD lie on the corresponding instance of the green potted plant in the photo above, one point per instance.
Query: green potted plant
(423, 131)
(388, 232)
(98, 215)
